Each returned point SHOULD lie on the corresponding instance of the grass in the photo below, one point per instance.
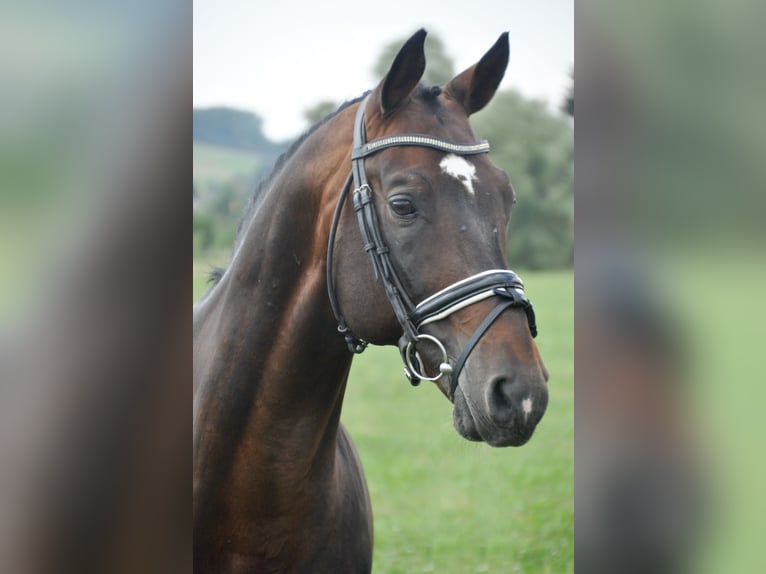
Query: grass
(442, 504)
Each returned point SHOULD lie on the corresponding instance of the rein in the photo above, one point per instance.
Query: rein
(501, 283)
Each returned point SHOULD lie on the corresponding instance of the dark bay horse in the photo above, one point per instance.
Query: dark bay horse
(278, 486)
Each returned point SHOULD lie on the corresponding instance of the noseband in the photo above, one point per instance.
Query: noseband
(499, 283)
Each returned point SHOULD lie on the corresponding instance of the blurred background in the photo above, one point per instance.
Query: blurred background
(94, 277)
(670, 262)
(94, 228)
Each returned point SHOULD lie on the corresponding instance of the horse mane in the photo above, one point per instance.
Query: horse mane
(428, 94)
(214, 274)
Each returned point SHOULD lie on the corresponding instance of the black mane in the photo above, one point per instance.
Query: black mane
(214, 274)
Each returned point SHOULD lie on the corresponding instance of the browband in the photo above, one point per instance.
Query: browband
(420, 140)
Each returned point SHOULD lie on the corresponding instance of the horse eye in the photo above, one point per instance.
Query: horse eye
(402, 207)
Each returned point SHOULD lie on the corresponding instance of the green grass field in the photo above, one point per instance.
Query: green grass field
(443, 504)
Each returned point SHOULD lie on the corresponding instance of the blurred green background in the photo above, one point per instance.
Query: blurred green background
(671, 180)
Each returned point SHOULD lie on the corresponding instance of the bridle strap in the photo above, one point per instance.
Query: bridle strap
(354, 343)
(510, 298)
(465, 292)
(378, 251)
(364, 204)
(419, 140)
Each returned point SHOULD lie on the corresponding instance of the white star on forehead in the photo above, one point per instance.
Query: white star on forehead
(461, 169)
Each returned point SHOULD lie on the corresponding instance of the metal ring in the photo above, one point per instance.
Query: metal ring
(444, 368)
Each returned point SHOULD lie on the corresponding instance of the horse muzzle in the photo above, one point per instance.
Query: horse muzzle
(503, 411)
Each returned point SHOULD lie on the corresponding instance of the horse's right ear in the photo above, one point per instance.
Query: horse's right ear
(404, 74)
(474, 87)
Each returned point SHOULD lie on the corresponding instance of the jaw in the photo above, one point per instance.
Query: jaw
(463, 421)
(472, 425)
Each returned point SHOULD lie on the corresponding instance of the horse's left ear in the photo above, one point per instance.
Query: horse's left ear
(474, 87)
(405, 72)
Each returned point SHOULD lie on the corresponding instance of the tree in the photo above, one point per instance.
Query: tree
(536, 148)
(202, 232)
(568, 106)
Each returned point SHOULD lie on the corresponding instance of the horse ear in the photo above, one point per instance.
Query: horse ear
(474, 87)
(405, 72)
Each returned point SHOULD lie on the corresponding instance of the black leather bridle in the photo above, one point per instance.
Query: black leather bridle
(501, 283)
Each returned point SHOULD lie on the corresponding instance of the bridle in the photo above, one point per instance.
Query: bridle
(501, 283)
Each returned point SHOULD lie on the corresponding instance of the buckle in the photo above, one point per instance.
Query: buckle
(411, 356)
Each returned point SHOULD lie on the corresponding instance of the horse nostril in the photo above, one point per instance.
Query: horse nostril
(511, 397)
(503, 396)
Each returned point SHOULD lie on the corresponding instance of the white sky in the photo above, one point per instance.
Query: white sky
(280, 57)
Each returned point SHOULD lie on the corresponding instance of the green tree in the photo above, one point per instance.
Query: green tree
(536, 148)
(568, 106)
(202, 232)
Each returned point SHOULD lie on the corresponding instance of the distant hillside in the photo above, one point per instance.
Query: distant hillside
(227, 127)
(219, 164)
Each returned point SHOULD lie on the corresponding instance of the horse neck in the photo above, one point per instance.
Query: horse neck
(269, 363)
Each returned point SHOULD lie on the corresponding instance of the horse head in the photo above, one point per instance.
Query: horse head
(440, 209)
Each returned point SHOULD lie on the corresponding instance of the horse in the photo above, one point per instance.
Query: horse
(278, 485)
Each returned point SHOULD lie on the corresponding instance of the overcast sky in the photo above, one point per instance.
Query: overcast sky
(280, 57)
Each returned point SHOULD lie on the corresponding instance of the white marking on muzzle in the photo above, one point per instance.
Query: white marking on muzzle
(526, 406)
(461, 169)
